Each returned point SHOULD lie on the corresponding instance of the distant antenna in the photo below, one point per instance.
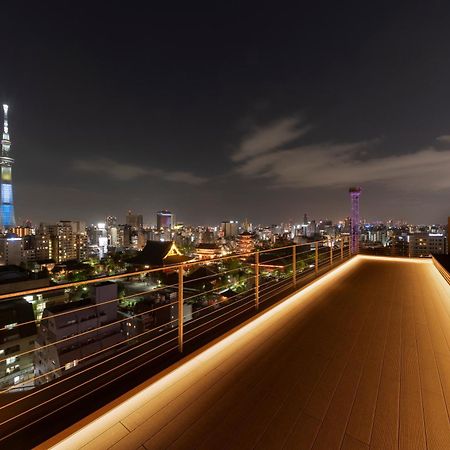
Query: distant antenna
(355, 193)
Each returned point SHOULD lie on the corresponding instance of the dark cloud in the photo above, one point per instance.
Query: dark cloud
(114, 169)
(126, 172)
(271, 137)
(444, 139)
(331, 165)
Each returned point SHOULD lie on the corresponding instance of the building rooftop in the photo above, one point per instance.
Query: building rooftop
(16, 319)
(358, 359)
(62, 307)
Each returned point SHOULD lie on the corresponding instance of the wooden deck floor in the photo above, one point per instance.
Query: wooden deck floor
(362, 361)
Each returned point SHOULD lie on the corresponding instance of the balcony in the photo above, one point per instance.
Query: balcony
(358, 358)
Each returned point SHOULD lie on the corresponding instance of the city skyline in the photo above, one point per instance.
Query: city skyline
(189, 111)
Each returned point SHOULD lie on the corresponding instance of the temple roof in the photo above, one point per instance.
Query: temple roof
(159, 253)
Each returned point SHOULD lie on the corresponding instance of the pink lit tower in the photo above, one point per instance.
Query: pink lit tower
(355, 193)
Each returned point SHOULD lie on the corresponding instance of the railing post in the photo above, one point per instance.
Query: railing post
(294, 265)
(331, 252)
(342, 249)
(257, 280)
(317, 257)
(180, 309)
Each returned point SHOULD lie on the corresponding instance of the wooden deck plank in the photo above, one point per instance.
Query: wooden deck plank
(443, 363)
(412, 428)
(385, 426)
(322, 394)
(361, 418)
(305, 433)
(108, 438)
(281, 425)
(436, 420)
(351, 443)
(332, 430)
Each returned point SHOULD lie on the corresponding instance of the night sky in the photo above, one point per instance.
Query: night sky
(261, 111)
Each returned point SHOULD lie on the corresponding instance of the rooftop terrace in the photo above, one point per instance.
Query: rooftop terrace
(358, 359)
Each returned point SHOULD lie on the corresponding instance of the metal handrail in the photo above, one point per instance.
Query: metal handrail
(261, 285)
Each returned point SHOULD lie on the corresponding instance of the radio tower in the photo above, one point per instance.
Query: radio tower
(7, 219)
(355, 193)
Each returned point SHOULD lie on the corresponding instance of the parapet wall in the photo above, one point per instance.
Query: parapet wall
(440, 263)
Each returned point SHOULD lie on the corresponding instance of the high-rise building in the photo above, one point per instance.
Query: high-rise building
(229, 228)
(355, 193)
(64, 246)
(16, 342)
(111, 221)
(81, 244)
(136, 221)
(11, 249)
(113, 240)
(124, 236)
(102, 239)
(76, 333)
(7, 219)
(164, 220)
(425, 244)
(43, 247)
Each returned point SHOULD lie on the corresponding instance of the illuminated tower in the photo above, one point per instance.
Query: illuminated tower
(355, 193)
(7, 219)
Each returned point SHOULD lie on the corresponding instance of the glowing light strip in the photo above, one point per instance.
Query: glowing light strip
(98, 425)
(396, 259)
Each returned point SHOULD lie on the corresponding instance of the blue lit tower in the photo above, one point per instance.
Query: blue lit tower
(7, 219)
(355, 193)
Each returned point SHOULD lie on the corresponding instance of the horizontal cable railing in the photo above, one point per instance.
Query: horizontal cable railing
(77, 338)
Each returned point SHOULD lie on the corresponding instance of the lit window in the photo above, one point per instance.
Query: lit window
(12, 369)
(71, 364)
